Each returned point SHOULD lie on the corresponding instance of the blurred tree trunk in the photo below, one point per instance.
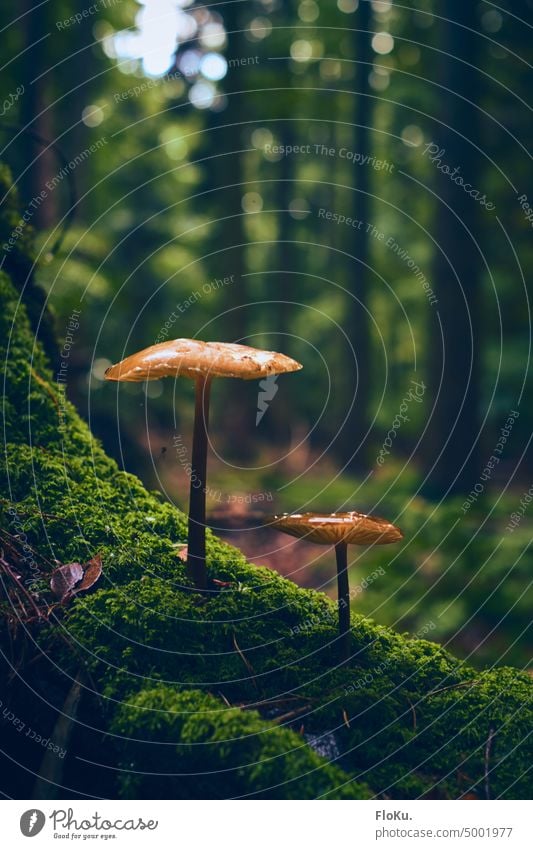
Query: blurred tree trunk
(451, 453)
(356, 384)
(284, 284)
(34, 113)
(280, 287)
(231, 232)
(23, 152)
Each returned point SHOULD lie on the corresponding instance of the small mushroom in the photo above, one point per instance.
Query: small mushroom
(340, 530)
(200, 361)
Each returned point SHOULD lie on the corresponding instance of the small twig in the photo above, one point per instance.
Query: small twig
(266, 703)
(7, 568)
(453, 687)
(47, 389)
(246, 662)
(33, 513)
(292, 714)
(35, 659)
(11, 542)
(488, 747)
(50, 776)
(413, 711)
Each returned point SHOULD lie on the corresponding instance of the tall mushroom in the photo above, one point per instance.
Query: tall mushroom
(200, 361)
(340, 530)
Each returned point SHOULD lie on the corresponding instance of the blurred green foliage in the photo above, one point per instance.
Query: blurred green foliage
(156, 202)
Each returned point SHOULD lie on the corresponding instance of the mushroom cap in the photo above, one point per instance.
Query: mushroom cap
(193, 358)
(331, 528)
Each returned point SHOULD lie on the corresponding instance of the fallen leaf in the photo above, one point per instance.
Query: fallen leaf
(65, 578)
(74, 578)
(91, 572)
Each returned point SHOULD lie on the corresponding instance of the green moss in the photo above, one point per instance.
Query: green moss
(408, 718)
(207, 750)
(14, 233)
(18, 260)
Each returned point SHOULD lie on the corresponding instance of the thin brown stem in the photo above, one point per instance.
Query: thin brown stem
(7, 568)
(196, 542)
(488, 747)
(343, 589)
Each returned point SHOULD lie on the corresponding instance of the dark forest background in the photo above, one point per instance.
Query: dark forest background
(288, 175)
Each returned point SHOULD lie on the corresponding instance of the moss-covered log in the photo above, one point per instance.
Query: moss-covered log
(185, 697)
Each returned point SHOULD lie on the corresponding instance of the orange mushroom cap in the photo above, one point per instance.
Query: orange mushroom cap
(192, 358)
(331, 528)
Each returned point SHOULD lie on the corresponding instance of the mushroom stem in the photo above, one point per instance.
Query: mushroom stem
(343, 589)
(196, 541)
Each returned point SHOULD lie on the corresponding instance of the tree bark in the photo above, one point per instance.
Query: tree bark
(451, 449)
(230, 179)
(357, 381)
(35, 116)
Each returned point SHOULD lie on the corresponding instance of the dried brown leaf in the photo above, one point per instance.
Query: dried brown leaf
(91, 572)
(65, 578)
(74, 578)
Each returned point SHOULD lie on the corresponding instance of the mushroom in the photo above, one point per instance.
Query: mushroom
(200, 361)
(340, 530)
